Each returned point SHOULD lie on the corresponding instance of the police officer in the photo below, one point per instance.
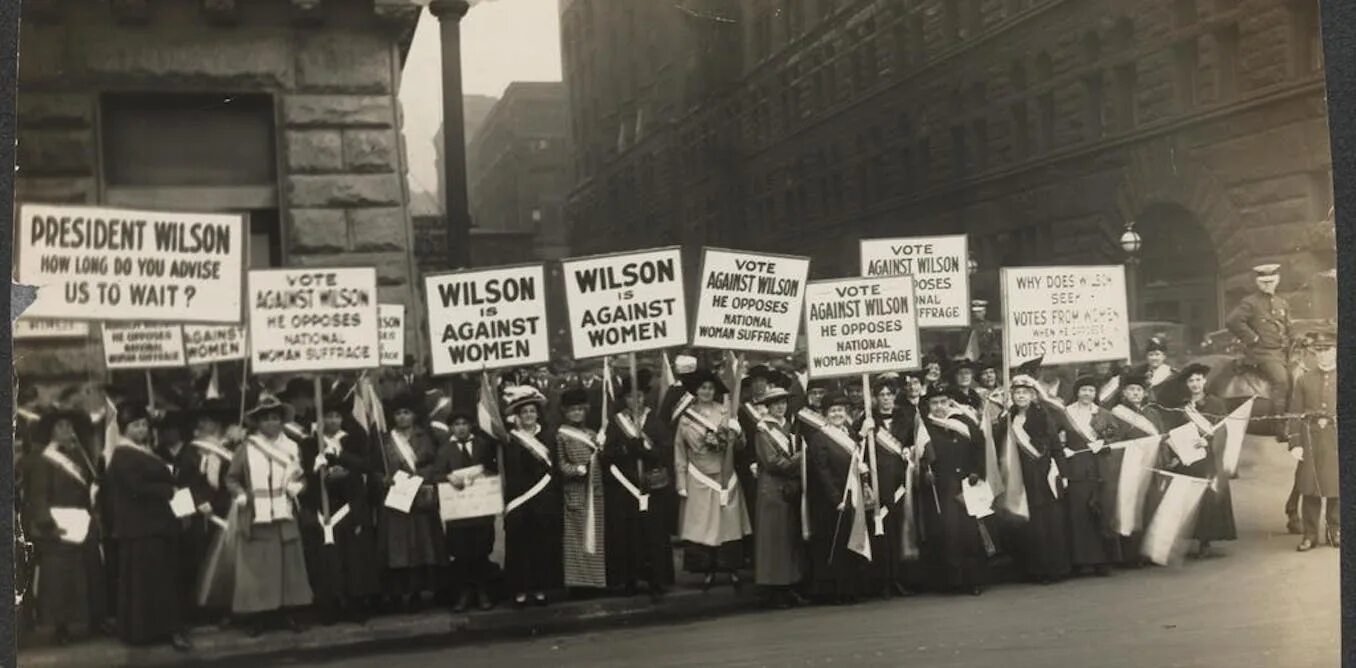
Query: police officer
(1262, 322)
(1314, 439)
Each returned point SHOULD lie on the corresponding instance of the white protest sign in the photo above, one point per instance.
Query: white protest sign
(482, 497)
(206, 344)
(1067, 314)
(861, 325)
(940, 267)
(750, 301)
(626, 303)
(26, 327)
(487, 318)
(391, 329)
(95, 263)
(313, 319)
(142, 346)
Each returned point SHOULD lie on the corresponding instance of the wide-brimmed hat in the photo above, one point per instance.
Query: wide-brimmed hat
(1155, 344)
(267, 403)
(772, 394)
(130, 412)
(1136, 375)
(934, 392)
(518, 396)
(643, 379)
(78, 419)
(826, 384)
(692, 381)
(836, 399)
(1086, 381)
(575, 396)
(1193, 369)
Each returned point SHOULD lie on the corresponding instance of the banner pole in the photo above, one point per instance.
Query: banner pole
(319, 451)
(150, 391)
(640, 424)
(871, 453)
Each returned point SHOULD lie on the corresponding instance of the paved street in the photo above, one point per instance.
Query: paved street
(1261, 605)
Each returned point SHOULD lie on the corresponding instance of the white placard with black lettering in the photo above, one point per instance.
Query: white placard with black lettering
(95, 263)
(392, 331)
(861, 325)
(487, 318)
(143, 345)
(313, 319)
(26, 327)
(1069, 315)
(750, 301)
(207, 344)
(940, 267)
(626, 302)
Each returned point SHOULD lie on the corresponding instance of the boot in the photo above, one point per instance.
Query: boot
(180, 642)
(1293, 526)
(1334, 535)
(463, 601)
(483, 600)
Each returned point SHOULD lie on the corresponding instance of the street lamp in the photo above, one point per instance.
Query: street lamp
(1131, 243)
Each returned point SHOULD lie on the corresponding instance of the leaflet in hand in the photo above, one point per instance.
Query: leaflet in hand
(181, 504)
(1184, 442)
(402, 492)
(73, 522)
(978, 499)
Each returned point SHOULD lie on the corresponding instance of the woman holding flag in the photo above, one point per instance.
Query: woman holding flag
(532, 500)
(1043, 536)
(1135, 420)
(578, 448)
(1187, 402)
(1090, 472)
(891, 437)
(953, 455)
(840, 545)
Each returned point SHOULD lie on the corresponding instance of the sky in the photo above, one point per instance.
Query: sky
(501, 41)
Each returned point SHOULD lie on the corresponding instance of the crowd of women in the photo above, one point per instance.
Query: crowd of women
(830, 491)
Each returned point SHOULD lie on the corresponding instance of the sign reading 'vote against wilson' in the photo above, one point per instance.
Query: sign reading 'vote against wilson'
(861, 325)
(626, 303)
(488, 319)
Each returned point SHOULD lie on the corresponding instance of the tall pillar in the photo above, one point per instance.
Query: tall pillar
(456, 205)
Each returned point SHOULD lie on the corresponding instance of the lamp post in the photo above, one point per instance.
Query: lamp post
(457, 207)
(1131, 242)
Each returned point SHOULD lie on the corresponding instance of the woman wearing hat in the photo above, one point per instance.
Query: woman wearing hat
(952, 547)
(833, 457)
(636, 460)
(892, 437)
(1156, 371)
(63, 478)
(147, 535)
(714, 518)
(1089, 468)
(1135, 419)
(463, 458)
(1186, 391)
(579, 465)
(779, 561)
(1044, 537)
(532, 501)
(963, 382)
(413, 541)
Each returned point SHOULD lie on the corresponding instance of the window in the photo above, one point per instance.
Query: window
(951, 28)
(1021, 131)
(1306, 47)
(905, 129)
(1186, 63)
(1226, 62)
(1126, 77)
(1045, 105)
(917, 48)
(1092, 85)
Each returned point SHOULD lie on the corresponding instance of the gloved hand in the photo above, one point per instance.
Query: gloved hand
(1297, 453)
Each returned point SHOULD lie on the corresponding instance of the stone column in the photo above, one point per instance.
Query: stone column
(456, 207)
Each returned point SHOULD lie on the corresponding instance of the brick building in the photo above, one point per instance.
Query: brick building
(1038, 127)
(519, 168)
(285, 109)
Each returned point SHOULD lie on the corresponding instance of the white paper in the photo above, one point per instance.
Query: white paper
(182, 503)
(480, 497)
(1184, 442)
(73, 522)
(978, 499)
(401, 494)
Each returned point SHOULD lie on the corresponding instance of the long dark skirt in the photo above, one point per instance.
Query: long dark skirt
(1045, 544)
(1216, 518)
(71, 588)
(532, 552)
(953, 551)
(148, 589)
(470, 543)
(1090, 540)
(835, 570)
(350, 568)
(887, 563)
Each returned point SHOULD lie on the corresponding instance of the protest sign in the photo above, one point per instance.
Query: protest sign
(26, 327)
(861, 325)
(940, 267)
(487, 319)
(142, 346)
(94, 263)
(750, 301)
(313, 319)
(1067, 314)
(391, 329)
(481, 497)
(626, 303)
(207, 344)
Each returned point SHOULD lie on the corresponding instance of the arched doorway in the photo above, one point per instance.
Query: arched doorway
(1178, 277)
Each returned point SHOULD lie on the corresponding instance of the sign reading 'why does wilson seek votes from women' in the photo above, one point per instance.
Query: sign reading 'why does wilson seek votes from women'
(750, 301)
(626, 303)
(861, 325)
(313, 319)
(1068, 315)
(487, 319)
(94, 263)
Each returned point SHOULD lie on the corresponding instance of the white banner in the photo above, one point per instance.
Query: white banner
(626, 303)
(483, 496)
(205, 344)
(861, 325)
(1069, 315)
(487, 319)
(750, 301)
(940, 267)
(313, 319)
(142, 346)
(94, 263)
(391, 329)
(40, 328)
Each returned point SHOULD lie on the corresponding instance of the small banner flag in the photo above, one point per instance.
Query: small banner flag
(1235, 428)
(1166, 538)
(1133, 484)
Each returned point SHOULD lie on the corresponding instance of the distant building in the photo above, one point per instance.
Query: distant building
(474, 109)
(519, 167)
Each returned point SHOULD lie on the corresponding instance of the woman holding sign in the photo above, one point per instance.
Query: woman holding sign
(713, 519)
(409, 528)
(1187, 400)
(532, 501)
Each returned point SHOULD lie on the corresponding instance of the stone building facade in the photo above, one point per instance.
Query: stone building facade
(1038, 127)
(284, 109)
(519, 167)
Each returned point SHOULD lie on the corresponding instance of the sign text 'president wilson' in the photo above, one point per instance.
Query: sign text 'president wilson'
(626, 303)
(487, 319)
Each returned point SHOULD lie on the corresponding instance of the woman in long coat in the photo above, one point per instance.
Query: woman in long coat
(893, 433)
(953, 456)
(713, 519)
(583, 541)
(779, 560)
(638, 545)
(532, 501)
(71, 574)
(1089, 470)
(413, 542)
(147, 534)
(1135, 419)
(1314, 441)
(838, 573)
(1044, 534)
(1215, 517)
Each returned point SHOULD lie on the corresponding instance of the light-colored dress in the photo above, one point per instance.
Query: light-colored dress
(713, 513)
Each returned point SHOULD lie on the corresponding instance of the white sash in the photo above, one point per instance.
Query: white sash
(269, 468)
(27, 414)
(714, 486)
(1134, 419)
(527, 496)
(1082, 420)
(702, 421)
(579, 435)
(1160, 374)
(1109, 388)
(440, 426)
(813, 418)
(629, 427)
(951, 424)
(1018, 431)
(1199, 420)
(885, 438)
(55, 456)
(533, 446)
(211, 448)
(335, 519)
(842, 439)
(642, 500)
(295, 430)
(776, 435)
(681, 407)
(403, 447)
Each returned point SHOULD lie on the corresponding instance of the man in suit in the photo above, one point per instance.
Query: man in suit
(463, 459)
